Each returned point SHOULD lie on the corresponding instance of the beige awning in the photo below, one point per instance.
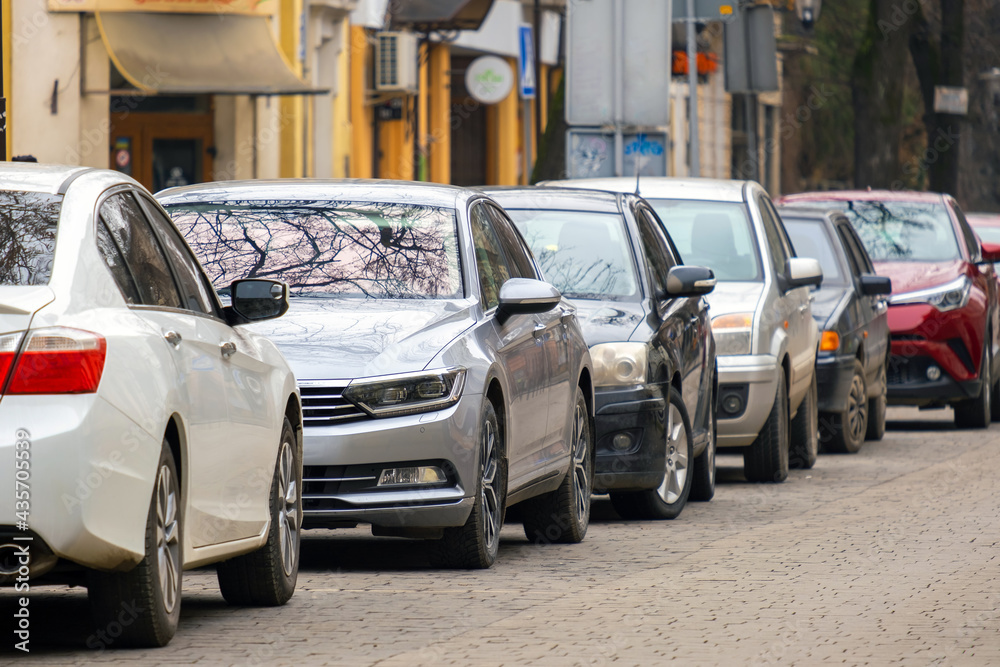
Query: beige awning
(199, 53)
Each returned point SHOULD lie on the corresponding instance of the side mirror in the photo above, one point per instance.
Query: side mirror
(524, 296)
(683, 281)
(254, 300)
(991, 252)
(872, 285)
(802, 271)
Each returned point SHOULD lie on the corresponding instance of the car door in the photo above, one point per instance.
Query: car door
(874, 309)
(196, 378)
(232, 472)
(552, 332)
(519, 352)
(791, 309)
(984, 277)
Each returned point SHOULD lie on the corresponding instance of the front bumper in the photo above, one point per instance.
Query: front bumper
(89, 480)
(635, 414)
(923, 337)
(833, 381)
(759, 372)
(342, 464)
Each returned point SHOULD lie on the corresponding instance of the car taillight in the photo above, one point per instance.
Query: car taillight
(8, 350)
(57, 360)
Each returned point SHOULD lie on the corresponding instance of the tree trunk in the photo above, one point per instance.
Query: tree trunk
(551, 161)
(877, 92)
(939, 63)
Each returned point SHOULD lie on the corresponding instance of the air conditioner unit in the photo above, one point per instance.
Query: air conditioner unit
(396, 62)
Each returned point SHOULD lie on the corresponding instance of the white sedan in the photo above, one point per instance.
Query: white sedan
(142, 430)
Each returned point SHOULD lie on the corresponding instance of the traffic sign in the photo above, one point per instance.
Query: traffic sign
(527, 62)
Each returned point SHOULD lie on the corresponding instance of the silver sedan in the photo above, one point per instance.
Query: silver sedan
(442, 380)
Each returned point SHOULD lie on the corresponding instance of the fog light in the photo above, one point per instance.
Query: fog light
(933, 373)
(414, 475)
(621, 442)
(732, 404)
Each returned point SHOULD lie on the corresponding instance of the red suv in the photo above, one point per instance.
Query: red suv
(943, 314)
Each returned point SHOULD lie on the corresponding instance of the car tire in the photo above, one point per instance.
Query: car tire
(804, 435)
(145, 602)
(563, 515)
(703, 484)
(474, 546)
(975, 413)
(766, 460)
(266, 577)
(844, 432)
(666, 501)
(876, 409)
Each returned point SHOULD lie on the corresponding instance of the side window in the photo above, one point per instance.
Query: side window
(656, 253)
(970, 238)
(857, 267)
(112, 257)
(856, 250)
(194, 291)
(777, 249)
(661, 230)
(521, 264)
(490, 262)
(141, 251)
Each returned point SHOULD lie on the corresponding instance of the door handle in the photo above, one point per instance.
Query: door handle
(172, 337)
(566, 315)
(539, 332)
(228, 349)
(803, 308)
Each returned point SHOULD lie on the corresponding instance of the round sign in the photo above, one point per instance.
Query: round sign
(122, 158)
(489, 79)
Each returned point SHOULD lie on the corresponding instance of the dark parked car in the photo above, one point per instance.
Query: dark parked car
(850, 308)
(943, 308)
(649, 336)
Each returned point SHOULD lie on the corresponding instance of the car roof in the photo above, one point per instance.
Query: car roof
(704, 189)
(790, 210)
(357, 189)
(34, 177)
(569, 199)
(983, 219)
(863, 195)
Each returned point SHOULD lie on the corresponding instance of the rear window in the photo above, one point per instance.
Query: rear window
(27, 236)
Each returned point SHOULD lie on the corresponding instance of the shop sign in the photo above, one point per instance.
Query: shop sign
(260, 7)
(489, 79)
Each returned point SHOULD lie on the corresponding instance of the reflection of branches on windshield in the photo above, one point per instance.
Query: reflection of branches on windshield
(27, 236)
(909, 232)
(328, 248)
(575, 278)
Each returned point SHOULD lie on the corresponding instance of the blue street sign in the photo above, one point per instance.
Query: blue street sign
(527, 62)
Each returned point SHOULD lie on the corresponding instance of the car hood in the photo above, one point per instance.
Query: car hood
(351, 338)
(735, 297)
(912, 276)
(825, 303)
(607, 321)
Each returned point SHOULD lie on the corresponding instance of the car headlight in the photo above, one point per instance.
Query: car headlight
(619, 364)
(407, 394)
(732, 333)
(943, 297)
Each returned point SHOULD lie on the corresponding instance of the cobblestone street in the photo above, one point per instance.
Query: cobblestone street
(889, 556)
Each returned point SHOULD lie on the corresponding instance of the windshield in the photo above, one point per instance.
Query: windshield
(585, 255)
(27, 236)
(328, 248)
(901, 231)
(811, 239)
(713, 234)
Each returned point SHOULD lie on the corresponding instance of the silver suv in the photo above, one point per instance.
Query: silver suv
(765, 335)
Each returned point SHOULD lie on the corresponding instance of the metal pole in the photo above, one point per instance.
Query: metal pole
(619, 87)
(692, 56)
(539, 86)
(750, 100)
(526, 118)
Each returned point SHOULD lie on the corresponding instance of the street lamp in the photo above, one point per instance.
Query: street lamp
(807, 11)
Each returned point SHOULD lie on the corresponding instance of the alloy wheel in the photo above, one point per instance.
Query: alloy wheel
(675, 477)
(288, 512)
(581, 461)
(167, 538)
(857, 409)
(489, 498)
